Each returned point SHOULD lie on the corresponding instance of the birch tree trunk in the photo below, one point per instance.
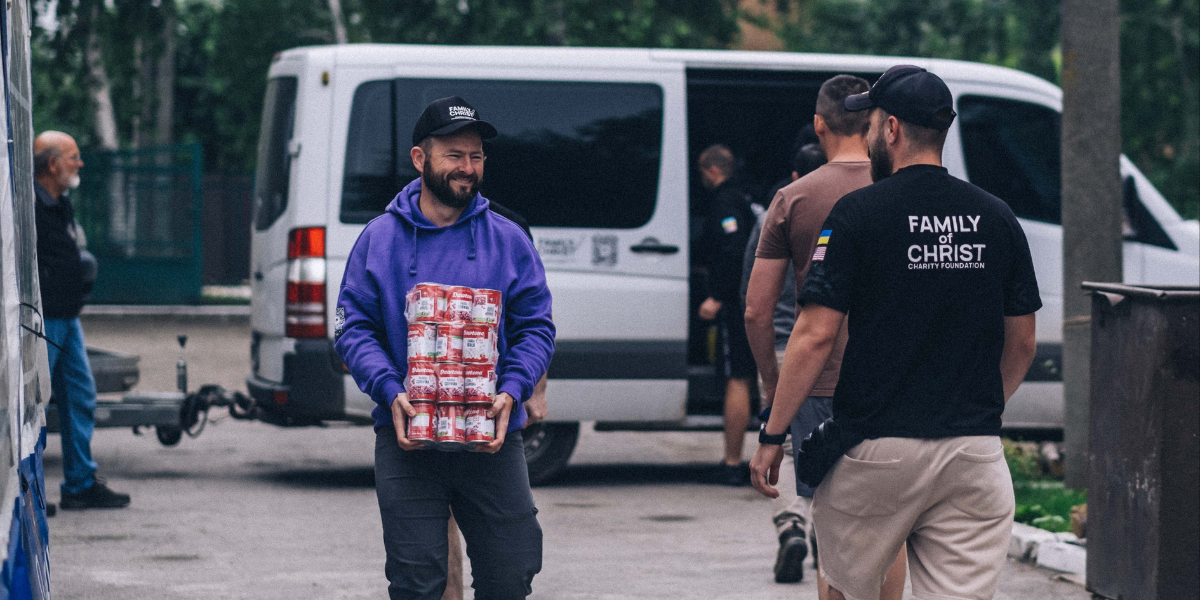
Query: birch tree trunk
(339, 24)
(103, 115)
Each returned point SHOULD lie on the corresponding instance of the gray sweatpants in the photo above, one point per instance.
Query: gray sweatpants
(492, 505)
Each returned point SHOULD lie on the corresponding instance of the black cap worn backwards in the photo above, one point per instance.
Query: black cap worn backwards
(448, 115)
(910, 94)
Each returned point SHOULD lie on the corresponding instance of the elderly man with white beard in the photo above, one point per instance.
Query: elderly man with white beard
(66, 273)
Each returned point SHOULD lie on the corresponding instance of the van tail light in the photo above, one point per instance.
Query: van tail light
(304, 314)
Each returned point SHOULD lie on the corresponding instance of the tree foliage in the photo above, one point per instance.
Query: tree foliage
(224, 47)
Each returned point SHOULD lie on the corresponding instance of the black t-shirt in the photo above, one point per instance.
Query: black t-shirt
(926, 266)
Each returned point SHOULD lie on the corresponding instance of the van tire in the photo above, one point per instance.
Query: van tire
(548, 447)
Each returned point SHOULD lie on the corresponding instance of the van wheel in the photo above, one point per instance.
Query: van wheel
(548, 446)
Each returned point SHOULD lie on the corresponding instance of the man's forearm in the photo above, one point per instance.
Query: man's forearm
(807, 351)
(761, 334)
(1020, 346)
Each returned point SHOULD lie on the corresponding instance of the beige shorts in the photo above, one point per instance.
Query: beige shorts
(950, 499)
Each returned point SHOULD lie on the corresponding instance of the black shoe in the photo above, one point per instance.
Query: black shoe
(789, 561)
(733, 475)
(97, 496)
(51, 510)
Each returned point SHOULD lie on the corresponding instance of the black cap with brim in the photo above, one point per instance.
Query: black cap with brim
(910, 94)
(450, 115)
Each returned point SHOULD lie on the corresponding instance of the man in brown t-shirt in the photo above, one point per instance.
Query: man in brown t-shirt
(792, 234)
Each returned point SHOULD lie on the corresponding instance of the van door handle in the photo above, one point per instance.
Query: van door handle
(653, 246)
(258, 276)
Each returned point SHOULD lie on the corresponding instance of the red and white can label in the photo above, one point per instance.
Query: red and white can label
(479, 344)
(459, 303)
(485, 307)
(422, 382)
(449, 342)
(427, 303)
(422, 342)
(480, 382)
(480, 428)
(420, 425)
(449, 382)
(451, 423)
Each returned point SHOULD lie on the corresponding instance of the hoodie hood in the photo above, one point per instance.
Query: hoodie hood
(406, 206)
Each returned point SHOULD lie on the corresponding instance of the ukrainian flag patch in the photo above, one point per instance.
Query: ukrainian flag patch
(822, 243)
(729, 224)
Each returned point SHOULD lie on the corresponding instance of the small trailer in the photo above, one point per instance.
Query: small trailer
(170, 414)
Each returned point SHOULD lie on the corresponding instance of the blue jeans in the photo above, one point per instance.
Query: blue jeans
(74, 392)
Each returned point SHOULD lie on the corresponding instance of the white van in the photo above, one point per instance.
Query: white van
(597, 150)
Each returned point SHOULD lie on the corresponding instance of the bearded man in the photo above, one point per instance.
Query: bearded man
(66, 272)
(440, 229)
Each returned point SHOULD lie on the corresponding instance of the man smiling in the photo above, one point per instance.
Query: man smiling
(439, 229)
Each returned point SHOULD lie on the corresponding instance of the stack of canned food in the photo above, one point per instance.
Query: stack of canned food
(452, 354)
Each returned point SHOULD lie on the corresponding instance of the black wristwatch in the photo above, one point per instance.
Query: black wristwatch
(765, 438)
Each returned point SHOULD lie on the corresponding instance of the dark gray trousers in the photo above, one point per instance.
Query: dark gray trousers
(490, 496)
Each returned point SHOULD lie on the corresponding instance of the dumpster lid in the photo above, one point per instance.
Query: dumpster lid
(1157, 292)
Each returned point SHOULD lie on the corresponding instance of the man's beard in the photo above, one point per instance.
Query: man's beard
(881, 160)
(439, 184)
(71, 182)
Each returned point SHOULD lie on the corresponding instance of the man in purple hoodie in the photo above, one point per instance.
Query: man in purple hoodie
(439, 229)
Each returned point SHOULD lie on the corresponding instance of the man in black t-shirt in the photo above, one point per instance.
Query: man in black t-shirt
(936, 277)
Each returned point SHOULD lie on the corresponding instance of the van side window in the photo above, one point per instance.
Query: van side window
(1011, 150)
(569, 154)
(274, 161)
(370, 180)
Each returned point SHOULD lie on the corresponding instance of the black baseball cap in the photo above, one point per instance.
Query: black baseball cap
(911, 94)
(447, 115)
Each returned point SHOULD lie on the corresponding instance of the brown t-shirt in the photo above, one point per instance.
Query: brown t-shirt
(793, 227)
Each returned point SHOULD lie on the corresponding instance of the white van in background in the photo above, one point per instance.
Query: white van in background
(597, 150)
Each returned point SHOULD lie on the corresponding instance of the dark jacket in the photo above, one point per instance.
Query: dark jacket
(723, 242)
(60, 267)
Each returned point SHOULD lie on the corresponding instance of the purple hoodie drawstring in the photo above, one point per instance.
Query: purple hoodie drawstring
(471, 248)
(412, 262)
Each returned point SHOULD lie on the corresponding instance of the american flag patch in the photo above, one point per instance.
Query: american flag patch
(822, 243)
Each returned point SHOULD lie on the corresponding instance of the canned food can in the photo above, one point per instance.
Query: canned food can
(422, 382)
(422, 342)
(485, 307)
(479, 344)
(427, 303)
(420, 425)
(449, 342)
(479, 384)
(460, 302)
(451, 425)
(480, 429)
(449, 382)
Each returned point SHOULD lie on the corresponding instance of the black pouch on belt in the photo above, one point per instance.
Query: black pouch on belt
(821, 449)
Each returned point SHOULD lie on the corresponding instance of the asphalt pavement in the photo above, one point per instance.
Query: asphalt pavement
(249, 510)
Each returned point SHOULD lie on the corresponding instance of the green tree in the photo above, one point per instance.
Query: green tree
(1160, 56)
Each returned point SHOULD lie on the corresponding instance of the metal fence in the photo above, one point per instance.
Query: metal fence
(141, 211)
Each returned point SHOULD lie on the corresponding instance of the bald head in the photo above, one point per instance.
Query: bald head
(56, 162)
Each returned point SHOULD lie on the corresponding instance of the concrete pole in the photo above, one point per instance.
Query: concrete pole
(1091, 204)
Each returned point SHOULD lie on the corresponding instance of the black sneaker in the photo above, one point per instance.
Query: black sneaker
(97, 496)
(733, 475)
(789, 562)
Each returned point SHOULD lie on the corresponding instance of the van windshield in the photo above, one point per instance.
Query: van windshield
(274, 162)
(569, 154)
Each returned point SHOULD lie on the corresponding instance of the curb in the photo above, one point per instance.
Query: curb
(1060, 552)
(232, 313)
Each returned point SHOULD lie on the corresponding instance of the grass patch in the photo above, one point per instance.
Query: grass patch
(1046, 504)
(1042, 501)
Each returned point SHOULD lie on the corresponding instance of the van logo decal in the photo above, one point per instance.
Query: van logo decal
(462, 112)
(604, 250)
(557, 248)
